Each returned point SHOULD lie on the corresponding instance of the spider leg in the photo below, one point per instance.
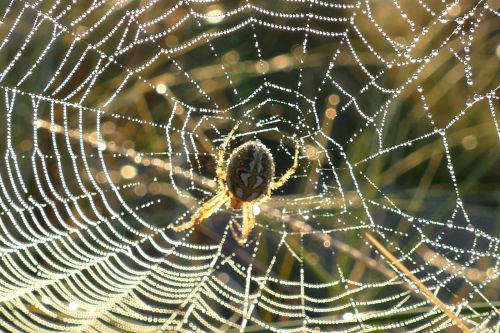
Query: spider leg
(248, 223)
(221, 173)
(233, 230)
(208, 208)
(290, 172)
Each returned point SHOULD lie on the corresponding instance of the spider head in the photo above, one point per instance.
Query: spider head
(249, 173)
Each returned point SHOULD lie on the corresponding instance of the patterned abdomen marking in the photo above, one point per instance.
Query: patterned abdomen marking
(250, 171)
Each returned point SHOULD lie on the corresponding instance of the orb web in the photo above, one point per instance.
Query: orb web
(112, 115)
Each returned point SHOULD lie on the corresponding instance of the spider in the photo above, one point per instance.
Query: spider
(246, 181)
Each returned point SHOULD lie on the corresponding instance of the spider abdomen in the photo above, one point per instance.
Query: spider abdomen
(249, 173)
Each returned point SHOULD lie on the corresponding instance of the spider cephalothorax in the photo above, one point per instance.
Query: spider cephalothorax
(245, 181)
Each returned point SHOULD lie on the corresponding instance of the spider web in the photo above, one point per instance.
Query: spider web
(112, 115)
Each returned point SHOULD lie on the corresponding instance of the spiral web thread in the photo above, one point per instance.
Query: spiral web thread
(85, 242)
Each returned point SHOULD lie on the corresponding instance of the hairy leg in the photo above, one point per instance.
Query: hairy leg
(208, 208)
(290, 171)
(248, 223)
(233, 229)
